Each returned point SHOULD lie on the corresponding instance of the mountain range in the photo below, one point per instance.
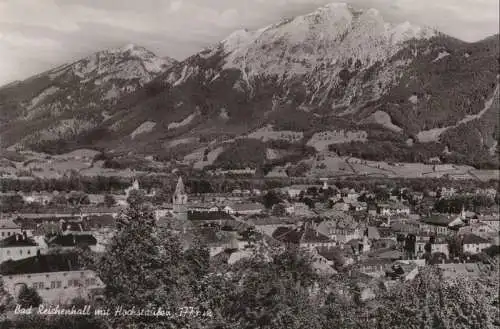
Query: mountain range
(337, 80)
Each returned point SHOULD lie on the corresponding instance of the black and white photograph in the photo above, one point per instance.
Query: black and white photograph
(249, 164)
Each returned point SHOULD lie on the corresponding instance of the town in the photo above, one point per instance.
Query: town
(377, 232)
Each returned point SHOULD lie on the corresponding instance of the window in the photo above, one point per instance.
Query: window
(38, 285)
(8, 252)
(3, 233)
(29, 252)
(73, 283)
(55, 284)
(21, 252)
(8, 233)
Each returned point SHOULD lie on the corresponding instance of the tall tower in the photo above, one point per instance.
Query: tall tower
(179, 201)
(134, 186)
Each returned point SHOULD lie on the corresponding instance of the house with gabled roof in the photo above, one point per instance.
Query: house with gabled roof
(58, 278)
(442, 224)
(17, 246)
(244, 208)
(340, 229)
(374, 267)
(8, 228)
(473, 244)
(393, 209)
(72, 241)
(304, 236)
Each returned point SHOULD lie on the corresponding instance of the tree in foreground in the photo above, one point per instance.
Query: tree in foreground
(273, 294)
(431, 301)
(29, 297)
(145, 267)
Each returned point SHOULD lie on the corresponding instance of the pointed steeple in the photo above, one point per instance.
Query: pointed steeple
(179, 201)
(179, 189)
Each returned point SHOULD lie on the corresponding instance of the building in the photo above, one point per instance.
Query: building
(17, 246)
(454, 270)
(305, 236)
(440, 224)
(492, 220)
(72, 241)
(448, 193)
(204, 207)
(42, 198)
(473, 244)
(299, 209)
(479, 229)
(8, 228)
(340, 228)
(244, 208)
(58, 278)
(268, 224)
(349, 194)
(96, 199)
(374, 267)
(135, 186)
(440, 245)
(179, 201)
(393, 209)
(295, 190)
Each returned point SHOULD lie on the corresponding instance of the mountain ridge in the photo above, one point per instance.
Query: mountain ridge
(80, 90)
(297, 75)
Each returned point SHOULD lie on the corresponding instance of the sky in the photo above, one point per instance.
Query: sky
(36, 35)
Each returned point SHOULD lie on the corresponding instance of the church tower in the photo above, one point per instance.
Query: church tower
(135, 186)
(179, 201)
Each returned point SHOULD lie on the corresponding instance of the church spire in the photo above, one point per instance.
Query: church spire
(179, 201)
(463, 213)
(179, 189)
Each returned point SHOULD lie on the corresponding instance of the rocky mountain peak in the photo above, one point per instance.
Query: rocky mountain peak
(333, 34)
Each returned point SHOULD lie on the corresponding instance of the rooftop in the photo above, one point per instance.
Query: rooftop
(303, 234)
(72, 240)
(246, 206)
(473, 239)
(214, 215)
(41, 264)
(17, 240)
(8, 224)
(439, 219)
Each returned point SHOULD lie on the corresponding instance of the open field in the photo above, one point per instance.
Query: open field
(325, 164)
(332, 166)
(321, 140)
(268, 133)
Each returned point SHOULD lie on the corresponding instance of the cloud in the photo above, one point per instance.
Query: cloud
(63, 30)
(20, 40)
(175, 5)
